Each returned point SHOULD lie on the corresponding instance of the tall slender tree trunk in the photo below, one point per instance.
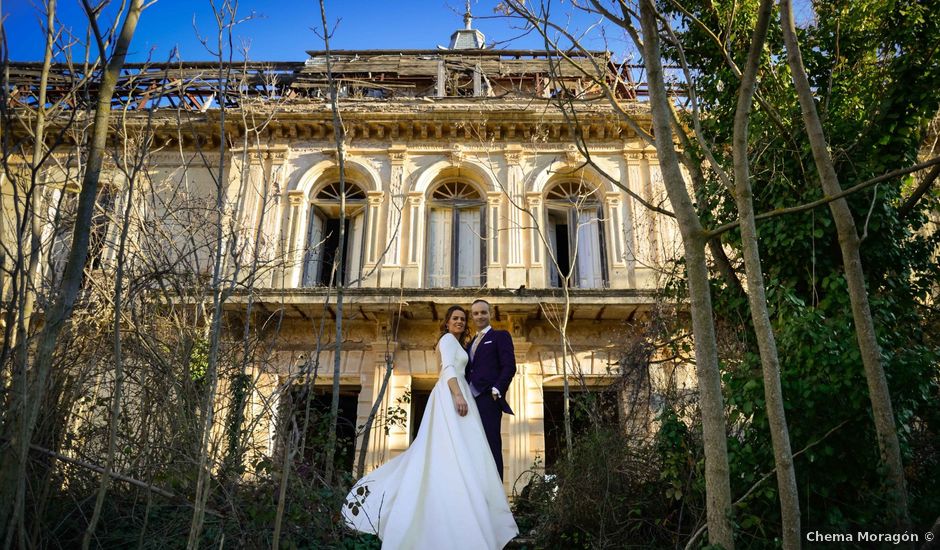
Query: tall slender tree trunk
(106, 474)
(849, 244)
(204, 480)
(367, 430)
(19, 429)
(766, 343)
(717, 482)
(339, 135)
(24, 294)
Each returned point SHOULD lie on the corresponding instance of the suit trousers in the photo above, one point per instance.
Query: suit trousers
(491, 414)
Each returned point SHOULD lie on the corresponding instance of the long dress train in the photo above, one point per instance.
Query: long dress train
(444, 490)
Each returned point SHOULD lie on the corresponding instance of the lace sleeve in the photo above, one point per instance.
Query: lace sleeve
(448, 347)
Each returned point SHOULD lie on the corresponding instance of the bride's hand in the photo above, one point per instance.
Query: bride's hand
(460, 404)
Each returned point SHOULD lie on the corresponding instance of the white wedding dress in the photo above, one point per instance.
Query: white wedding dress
(443, 492)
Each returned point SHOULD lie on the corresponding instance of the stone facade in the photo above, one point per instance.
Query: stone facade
(462, 180)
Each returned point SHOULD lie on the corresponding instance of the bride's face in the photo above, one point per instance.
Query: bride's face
(457, 323)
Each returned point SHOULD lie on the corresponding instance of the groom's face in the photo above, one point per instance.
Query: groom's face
(480, 312)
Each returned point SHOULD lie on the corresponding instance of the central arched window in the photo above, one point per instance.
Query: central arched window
(576, 235)
(322, 243)
(455, 241)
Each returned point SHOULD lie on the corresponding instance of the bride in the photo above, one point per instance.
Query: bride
(444, 490)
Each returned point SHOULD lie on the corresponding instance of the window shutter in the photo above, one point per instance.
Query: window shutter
(554, 277)
(469, 239)
(589, 250)
(439, 247)
(354, 249)
(313, 248)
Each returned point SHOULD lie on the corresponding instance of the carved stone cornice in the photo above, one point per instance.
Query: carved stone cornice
(377, 123)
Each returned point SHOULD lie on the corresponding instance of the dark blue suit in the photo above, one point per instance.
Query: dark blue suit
(493, 366)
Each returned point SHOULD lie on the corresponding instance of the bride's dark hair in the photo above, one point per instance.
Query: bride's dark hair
(450, 311)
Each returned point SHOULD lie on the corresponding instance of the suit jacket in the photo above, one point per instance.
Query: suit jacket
(493, 365)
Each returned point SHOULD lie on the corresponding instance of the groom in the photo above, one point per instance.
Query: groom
(489, 372)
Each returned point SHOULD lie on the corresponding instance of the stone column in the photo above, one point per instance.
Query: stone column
(516, 272)
(493, 264)
(639, 247)
(517, 429)
(395, 215)
(617, 230)
(414, 227)
(653, 192)
(293, 239)
(371, 383)
(538, 275)
(262, 406)
(253, 188)
(373, 236)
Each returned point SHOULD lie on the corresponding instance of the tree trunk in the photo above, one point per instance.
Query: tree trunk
(717, 482)
(340, 137)
(367, 430)
(849, 243)
(105, 482)
(766, 342)
(20, 427)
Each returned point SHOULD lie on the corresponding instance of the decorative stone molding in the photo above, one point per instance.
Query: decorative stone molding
(398, 154)
(457, 155)
(333, 154)
(514, 154)
(296, 197)
(276, 155)
(572, 155)
(375, 198)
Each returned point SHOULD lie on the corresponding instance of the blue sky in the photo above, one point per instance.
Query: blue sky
(281, 30)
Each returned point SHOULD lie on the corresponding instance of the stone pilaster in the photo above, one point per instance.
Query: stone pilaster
(371, 384)
(414, 228)
(494, 265)
(536, 221)
(293, 245)
(516, 272)
(395, 216)
(517, 429)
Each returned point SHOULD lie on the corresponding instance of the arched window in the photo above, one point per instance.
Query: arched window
(575, 232)
(455, 247)
(322, 243)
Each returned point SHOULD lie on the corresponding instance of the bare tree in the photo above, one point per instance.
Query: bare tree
(131, 163)
(694, 238)
(19, 429)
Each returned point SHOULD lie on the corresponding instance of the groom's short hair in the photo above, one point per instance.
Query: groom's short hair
(482, 301)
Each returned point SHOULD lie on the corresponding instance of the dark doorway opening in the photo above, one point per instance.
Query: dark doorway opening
(318, 422)
(562, 254)
(419, 403)
(331, 249)
(601, 403)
